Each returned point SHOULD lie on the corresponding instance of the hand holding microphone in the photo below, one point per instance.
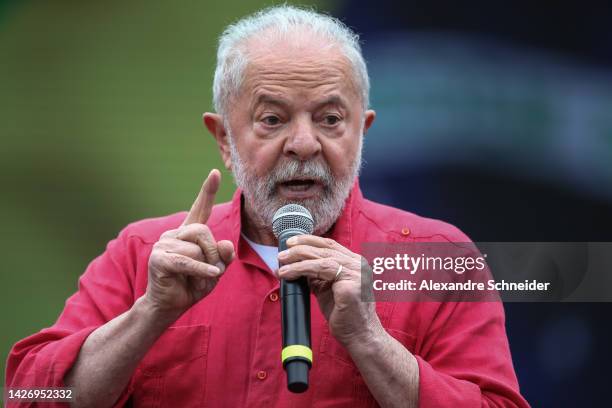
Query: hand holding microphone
(334, 275)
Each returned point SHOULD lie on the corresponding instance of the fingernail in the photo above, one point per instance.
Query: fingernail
(221, 266)
(282, 254)
(292, 241)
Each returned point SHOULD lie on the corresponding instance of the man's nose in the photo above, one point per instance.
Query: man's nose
(302, 143)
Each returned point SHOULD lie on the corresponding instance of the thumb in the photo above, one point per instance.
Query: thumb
(226, 251)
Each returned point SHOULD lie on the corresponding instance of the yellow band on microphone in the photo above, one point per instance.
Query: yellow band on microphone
(296, 350)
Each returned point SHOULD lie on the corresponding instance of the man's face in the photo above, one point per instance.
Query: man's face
(295, 130)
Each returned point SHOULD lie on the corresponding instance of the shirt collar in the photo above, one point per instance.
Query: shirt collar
(341, 232)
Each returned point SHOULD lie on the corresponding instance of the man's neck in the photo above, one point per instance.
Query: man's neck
(253, 230)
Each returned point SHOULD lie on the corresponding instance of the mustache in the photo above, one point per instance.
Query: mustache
(295, 169)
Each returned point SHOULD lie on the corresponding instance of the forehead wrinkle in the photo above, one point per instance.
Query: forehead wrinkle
(282, 87)
(265, 79)
(297, 61)
(301, 60)
(284, 70)
(268, 96)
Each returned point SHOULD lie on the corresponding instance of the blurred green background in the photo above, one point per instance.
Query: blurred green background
(100, 117)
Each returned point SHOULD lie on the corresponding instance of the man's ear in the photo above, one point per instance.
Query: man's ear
(214, 124)
(368, 119)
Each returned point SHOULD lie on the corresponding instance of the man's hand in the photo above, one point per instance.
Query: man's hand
(318, 259)
(184, 266)
(186, 263)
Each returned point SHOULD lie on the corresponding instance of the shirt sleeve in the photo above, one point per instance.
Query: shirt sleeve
(105, 291)
(466, 359)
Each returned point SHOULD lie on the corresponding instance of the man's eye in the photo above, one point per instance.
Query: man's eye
(271, 120)
(331, 120)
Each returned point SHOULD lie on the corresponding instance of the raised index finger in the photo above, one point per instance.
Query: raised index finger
(203, 204)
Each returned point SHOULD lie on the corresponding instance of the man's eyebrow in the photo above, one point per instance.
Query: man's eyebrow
(270, 99)
(333, 100)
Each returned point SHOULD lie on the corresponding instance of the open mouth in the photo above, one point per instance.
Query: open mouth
(301, 188)
(298, 184)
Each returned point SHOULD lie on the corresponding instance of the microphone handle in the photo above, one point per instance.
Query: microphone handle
(295, 317)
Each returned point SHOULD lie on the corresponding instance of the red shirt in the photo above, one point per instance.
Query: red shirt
(225, 350)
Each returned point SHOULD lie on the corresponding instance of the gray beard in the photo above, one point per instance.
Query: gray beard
(261, 193)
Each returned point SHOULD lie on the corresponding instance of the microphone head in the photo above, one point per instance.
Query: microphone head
(292, 217)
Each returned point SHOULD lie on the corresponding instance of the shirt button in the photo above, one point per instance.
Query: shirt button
(262, 375)
(273, 296)
(405, 231)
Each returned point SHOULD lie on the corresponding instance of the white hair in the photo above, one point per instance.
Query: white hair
(232, 60)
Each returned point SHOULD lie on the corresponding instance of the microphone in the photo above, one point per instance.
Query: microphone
(296, 356)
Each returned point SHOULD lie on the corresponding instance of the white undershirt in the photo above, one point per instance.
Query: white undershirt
(268, 254)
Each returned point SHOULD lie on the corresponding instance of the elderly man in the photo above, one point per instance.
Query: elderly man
(183, 310)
